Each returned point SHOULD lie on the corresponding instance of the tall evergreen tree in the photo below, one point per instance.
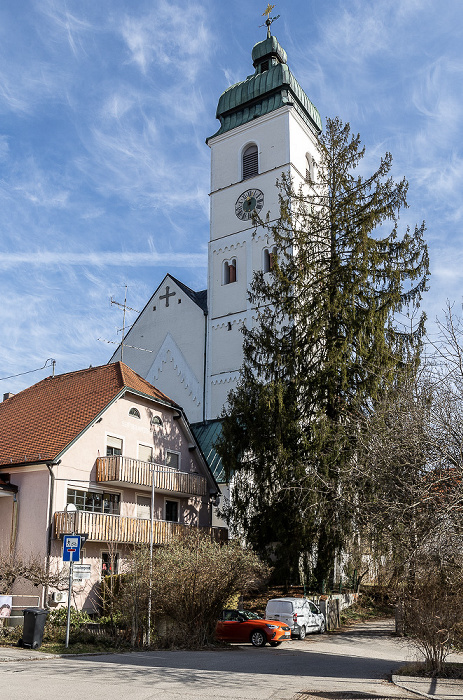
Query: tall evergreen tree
(327, 340)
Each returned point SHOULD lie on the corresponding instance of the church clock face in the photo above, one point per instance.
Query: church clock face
(249, 202)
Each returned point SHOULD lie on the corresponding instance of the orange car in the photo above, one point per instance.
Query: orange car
(245, 626)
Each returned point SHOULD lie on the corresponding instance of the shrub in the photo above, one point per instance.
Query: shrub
(191, 581)
(432, 611)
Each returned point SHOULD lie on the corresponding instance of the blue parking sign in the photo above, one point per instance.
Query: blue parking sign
(71, 548)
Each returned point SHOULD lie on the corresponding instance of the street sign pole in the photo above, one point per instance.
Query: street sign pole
(71, 553)
(68, 620)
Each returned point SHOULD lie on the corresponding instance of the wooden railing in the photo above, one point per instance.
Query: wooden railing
(116, 528)
(134, 472)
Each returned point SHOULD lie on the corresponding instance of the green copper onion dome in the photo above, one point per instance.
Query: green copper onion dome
(270, 87)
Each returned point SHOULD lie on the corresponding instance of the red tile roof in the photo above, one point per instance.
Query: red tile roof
(39, 422)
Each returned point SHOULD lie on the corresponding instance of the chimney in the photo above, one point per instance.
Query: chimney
(8, 395)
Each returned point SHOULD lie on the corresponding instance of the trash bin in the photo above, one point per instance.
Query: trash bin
(34, 624)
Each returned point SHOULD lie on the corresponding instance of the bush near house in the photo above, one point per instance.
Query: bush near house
(432, 617)
(191, 581)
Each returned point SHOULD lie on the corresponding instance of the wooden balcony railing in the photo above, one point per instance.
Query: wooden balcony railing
(133, 472)
(115, 528)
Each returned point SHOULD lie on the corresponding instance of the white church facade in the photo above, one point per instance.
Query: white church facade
(267, 126)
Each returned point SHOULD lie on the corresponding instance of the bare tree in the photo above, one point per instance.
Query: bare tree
(15, 567)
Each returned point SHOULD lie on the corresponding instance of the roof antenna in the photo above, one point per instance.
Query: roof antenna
(126, 308)
(269, 21)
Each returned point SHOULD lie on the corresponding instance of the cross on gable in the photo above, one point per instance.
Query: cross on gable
(167, 295)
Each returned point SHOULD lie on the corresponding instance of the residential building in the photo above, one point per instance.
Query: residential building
(102, 452)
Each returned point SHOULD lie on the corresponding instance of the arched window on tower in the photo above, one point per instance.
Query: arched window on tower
(229, 271)
(250, 162)
(269, 259)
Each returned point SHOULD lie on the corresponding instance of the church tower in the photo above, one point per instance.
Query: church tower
(189, 343)
(267, 126)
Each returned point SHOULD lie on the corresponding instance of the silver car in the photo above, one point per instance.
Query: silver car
(300, 614)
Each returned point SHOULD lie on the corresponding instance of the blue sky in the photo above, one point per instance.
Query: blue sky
(105, 106)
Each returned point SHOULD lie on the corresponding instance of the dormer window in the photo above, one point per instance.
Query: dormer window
(250, 162)
(229, 271)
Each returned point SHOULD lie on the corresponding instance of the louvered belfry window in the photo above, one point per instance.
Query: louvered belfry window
(250, 162)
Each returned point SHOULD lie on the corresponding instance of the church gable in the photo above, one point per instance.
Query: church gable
(170, 353)
(167, 341)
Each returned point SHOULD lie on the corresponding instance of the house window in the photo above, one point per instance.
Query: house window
(113, 446)
(145, 453)
(269, 259)
(109, 563)
(144, 507)
(229, 271)
(134, 412)
(172, 511)
(94, 501)
(250, 162)
(173, 459)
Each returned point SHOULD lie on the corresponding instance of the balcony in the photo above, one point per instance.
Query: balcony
(125, 471)
(116, 528)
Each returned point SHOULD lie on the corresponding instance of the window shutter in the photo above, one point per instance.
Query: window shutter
(143, 507)
(145, 453)
(250, 162)
(114, 442)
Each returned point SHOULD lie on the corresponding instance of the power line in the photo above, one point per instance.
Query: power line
(50, 359)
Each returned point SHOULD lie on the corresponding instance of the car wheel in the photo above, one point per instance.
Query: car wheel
(302, 633)
(322, 628)
(258, 639)
(275, 644)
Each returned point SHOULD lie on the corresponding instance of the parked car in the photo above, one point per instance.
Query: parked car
(301, 615)
(245, 626)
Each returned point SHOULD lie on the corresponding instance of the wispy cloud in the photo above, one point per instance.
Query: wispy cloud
(173, 36)
(103, 259)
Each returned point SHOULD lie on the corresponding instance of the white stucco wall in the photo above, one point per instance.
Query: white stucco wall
(174, 335)
(283, 140)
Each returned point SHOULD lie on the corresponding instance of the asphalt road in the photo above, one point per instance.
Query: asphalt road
(359, 660)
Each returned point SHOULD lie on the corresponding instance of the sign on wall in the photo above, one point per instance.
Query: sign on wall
(6, 603)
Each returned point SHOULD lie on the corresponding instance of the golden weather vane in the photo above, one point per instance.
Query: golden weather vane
(269, 19)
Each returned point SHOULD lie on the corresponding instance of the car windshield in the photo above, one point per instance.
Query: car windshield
(249, 615)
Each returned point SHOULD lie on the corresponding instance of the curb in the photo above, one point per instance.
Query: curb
(442, 686)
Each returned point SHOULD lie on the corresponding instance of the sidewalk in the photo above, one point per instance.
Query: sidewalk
(438, 688)
(21, 654)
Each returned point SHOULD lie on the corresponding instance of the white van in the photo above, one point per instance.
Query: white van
(301, 615)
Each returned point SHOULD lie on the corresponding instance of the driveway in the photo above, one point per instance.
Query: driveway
(358, 660)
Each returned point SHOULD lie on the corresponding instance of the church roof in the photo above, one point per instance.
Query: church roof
(271, 86)
(207, 434)
(40, 422)
(199, 298)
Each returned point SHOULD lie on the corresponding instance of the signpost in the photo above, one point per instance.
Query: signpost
(71, 553)
(81, 571)
(71, 548)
